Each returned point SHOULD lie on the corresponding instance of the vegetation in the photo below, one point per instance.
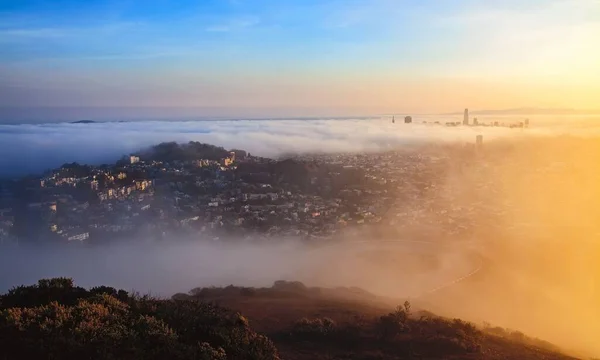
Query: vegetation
(393, 334)
(349, 323)
(57, 320)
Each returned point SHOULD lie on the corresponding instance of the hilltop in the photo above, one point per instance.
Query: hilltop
(288, 320)
(83, 122)
(350, 323)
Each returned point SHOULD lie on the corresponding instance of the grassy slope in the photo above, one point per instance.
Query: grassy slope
(274, 311)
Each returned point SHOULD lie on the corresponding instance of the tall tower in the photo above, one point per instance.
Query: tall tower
(466, 117)
(479, 140)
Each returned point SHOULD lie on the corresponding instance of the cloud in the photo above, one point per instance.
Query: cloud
(56, 33)
(234, 24)
(37, 33)
(30, 148)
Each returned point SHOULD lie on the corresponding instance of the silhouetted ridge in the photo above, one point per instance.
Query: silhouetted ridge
(83, 122)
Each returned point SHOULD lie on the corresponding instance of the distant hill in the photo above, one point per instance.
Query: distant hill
(83, 122)
(172, 151)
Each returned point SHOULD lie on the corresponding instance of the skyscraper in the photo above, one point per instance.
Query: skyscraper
(475, 122)
(479, 141)
(466, 117)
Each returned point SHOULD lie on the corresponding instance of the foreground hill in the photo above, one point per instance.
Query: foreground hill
(55, 319)
(350, 323)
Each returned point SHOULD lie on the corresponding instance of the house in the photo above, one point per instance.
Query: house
(79, 237)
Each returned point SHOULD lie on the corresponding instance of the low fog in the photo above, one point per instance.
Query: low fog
(529, 262)
(389, 268)
(32, 148)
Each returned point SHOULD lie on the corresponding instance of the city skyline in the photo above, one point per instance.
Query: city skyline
(338, 57)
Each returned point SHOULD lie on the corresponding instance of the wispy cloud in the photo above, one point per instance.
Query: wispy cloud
(40, 33)
(234, 24)
(119, 56)
(218, 28)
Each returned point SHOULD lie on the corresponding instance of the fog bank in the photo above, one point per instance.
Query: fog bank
(32, 148)
(399, 269)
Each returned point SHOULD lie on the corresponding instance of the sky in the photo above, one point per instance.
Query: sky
(300, 56)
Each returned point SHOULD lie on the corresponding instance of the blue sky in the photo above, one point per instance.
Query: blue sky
(334, 54)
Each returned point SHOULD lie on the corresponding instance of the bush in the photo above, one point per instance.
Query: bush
(56, 320)
(394, 323)
(44, 292)
(86, 330)
(292, 286)
(318, 327)
(453, 336)
(246, 291)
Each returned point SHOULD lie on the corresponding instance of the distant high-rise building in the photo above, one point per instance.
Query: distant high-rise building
(479, 141)
(475, 122)
(466, 117)
(232, 156)
(134, 159)
(526, 122)
(393, 120)
(408, 120)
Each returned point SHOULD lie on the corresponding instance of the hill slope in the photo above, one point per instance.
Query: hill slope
(349, 323)
(56, 319)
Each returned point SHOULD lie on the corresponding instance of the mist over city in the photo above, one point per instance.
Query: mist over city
(299, 180)
(33, 148)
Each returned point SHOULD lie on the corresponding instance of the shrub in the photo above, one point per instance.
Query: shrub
(318, 327)
(453, 336)
(394, 323)
(248, 291)
(293, 286)
(44, 292)
(56, 320)
(86, 330)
